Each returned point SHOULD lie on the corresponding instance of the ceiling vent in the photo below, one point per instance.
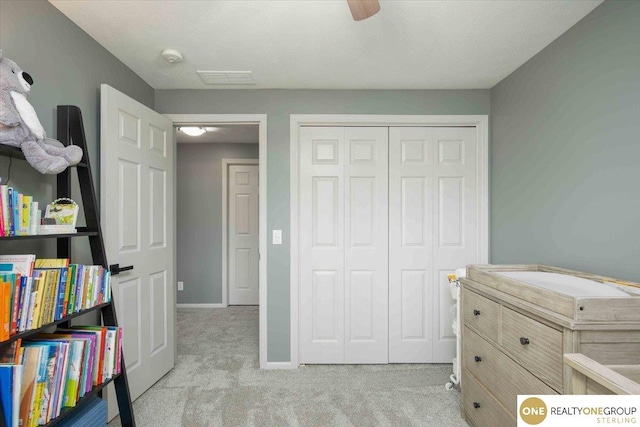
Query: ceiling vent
(226, 77)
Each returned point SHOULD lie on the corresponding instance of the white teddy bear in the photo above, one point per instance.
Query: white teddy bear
(20, 127)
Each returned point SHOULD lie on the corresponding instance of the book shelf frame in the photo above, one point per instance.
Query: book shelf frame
(71, 130)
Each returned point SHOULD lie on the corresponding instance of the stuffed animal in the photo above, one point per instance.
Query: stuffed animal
(20, 127)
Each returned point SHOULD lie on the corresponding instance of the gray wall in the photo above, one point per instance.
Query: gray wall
(278, 105)
(199, 215)
(67, 66)
(565, 157)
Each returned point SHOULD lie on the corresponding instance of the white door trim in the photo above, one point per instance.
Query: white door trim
(480, 122)
(225, 231)
(261, 121)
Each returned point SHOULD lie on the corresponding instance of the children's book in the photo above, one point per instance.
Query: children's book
(25, 215)
(41, 378)
(4, 192)
(15, 302)
(31, 363)
(76, 356)
(60, 379)
(63, 211)
(38, 305)
(51, 262)
(18, 370)
(98, 362)
(6, 392)
(86, 372)
(110, 351)
(20, 264)
(5, 310)
(73, 289)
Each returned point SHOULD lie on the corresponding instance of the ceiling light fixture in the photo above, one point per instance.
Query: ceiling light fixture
(192, 130)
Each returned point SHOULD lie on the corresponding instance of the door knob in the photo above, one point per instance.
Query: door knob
(524, 341)
(478, 359)
(476, 312)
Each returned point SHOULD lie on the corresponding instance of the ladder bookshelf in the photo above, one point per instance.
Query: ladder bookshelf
(71, 130)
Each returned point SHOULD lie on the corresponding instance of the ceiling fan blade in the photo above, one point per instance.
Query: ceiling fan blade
(363, 9)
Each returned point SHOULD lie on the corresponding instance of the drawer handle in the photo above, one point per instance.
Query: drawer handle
(478, 359)
(476, 405)
(524, 341)
(476, 312)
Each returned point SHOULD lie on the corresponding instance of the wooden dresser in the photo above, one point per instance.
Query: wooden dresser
(519, 320)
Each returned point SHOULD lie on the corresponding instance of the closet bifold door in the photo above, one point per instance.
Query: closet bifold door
(343, 245)
(366, 245)
(433, 215)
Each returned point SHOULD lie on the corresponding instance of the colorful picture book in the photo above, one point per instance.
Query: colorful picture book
(41, 376)
(35, 292)
(19, 213)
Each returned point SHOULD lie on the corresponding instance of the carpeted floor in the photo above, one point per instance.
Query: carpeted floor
(216, 382)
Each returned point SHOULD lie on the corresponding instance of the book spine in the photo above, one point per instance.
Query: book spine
(67, 289)
(63, 378)
(24, 318)
(119, 363)
(40, 385)
(5, 209)
(15, 287)
(34, 220)
(89, 289)
(17, 386)
(5, 300)
(46, 297)
(73, 289)
(25, 214)
(62, 287)
(32, 306)
(19, 215)
(37, 308)
(16, 213)
(10, 210)
(21, 304)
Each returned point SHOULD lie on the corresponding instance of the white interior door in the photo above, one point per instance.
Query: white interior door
(136, 158)
(243, 234)
(321, 238)
(433, 214)
(343, 245)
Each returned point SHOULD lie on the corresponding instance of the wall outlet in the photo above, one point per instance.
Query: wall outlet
(277, 237)
(181, 286)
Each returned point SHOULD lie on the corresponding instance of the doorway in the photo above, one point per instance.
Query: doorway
(259, 122)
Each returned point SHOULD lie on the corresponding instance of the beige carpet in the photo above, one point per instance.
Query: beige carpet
(216, 382)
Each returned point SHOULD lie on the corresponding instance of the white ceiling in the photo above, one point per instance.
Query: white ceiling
(316, 44)
(223, 134)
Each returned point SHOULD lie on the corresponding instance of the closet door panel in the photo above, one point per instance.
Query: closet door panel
(366, 245)
(455, 225)
(411, 189)
(321, 237)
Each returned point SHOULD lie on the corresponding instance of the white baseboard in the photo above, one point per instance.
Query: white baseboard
(216, 305)
(278, 365)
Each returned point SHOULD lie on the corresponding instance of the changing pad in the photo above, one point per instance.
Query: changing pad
(563, 283)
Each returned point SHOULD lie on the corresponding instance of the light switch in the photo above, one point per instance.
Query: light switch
(277, 237)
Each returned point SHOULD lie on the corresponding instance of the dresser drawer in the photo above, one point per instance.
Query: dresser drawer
(480, 314)
(536, 346)
(480, 407)
(503, 377)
